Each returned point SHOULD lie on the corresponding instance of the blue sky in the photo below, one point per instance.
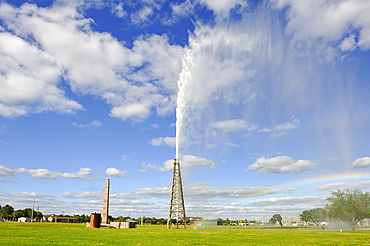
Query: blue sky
(270, 98)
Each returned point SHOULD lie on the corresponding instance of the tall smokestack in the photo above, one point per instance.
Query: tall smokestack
(106, 203)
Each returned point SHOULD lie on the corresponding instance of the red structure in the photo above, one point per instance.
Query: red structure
(95, 220)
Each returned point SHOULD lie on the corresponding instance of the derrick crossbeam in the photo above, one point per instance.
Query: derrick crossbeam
(177, 207)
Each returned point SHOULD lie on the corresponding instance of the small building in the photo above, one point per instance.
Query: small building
(66, 220)
(48, 218)
(24, 219)
(60, 219)
(194, 220)
(122, 225)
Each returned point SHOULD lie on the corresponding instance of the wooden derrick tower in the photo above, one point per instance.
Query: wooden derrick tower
(177, 207)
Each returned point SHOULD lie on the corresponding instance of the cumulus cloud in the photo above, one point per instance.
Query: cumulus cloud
(222, 7)
(21, 200)
(187, 162)
(281, 164)
(360, 185)
(142, 15)
(264, 129)
(92, 125)
(291, 201)
(6, 172)
(331, 186)
(361, 162)
(84, 195)
(115, 172)
(169, 141)
(34, 60)
(147, 167)
(329, 21)
(284, 128)
(234, 125)
(83, 173)
(29, 78)
(117, 10)
(202, 191)
(233, 145)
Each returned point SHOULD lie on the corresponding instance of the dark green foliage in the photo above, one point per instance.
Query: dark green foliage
(277, 218)
(316, 216)
(6, 211)
(82, 218)
(350, 206)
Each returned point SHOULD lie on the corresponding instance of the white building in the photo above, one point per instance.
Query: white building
(23, 219)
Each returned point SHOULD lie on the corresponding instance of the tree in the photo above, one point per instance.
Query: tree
(350, 206)
(277, 218)
(317, 216)
(306, 216)
(226, 222)
(7, 211)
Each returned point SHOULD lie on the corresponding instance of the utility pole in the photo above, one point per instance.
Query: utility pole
(56, 216)
(245, 220)
(238, 218)
(37, 215)
(142, 218)
(33, 206)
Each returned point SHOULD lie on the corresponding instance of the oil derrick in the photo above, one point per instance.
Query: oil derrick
(177, 207)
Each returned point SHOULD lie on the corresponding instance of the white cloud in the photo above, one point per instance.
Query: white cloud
(233, 145)
(169, 141)
(35, 58)
(234, 125)
(284, 128)
(84, 195)
(21, 200)
(281, 164)
(264, 129)
(330, 186)
(361, 162)
(328, 20)
(210, 146)
(29, 78)
(360, 185)
(181, 10)
(202, 191)
(291, 201)
(6, 172)
(222, 7)
(147, 167)
(92, 125)
(125, 158)
(83, 173)
(349, 43)
(115, 172)
(187, 162)
(154, 126)
(142, 15)
(117, 10)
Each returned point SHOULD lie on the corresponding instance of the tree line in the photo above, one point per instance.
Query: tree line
(8, 213)
(349, 206)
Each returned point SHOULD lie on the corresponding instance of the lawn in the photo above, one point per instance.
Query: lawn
(13, 233)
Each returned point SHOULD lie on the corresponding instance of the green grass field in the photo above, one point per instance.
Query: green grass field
(13, 233)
